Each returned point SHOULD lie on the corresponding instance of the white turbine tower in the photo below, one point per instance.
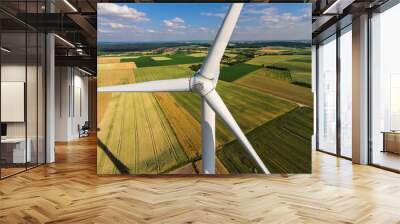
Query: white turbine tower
(204, 82)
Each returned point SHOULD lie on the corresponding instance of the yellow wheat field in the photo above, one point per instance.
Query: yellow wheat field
(112, 74)
(133, 128)
(137, 133)
(106, 60)
(116, 66)
(186, 128)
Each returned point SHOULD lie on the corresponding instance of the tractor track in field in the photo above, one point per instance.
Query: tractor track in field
(136, 133)
(119, 148)
(151, 137)
(160, 112)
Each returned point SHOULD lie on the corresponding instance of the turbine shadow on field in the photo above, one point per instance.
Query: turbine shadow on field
(122, 168)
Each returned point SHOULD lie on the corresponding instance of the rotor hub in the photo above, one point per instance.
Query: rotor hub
(202, 85)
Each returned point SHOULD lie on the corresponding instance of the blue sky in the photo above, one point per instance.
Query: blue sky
(142, 22)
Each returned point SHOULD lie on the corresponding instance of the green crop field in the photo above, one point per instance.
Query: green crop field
(236, 71)
(162, 72)
(273, 73)
(147, 61)
(277, 83)
(284, 144)
(273, 59)
(299, 66)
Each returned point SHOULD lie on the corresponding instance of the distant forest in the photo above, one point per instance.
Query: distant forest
(111, 47)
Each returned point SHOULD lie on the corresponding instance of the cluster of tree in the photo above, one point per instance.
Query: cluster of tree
(258, 44)
(121, 47)
(275, 67)
(240, 58)
(195, 67)
(228, 60)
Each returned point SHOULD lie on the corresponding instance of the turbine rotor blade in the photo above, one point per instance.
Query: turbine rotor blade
(214, 100)
(210, 68)
(207, 138)
(171, 85)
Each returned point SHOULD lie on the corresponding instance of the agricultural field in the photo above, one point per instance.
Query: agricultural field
(198, 54)
(286, 144)
(249, 107)
(236, 71)
(160, 58)
(176, 59)
(124, 120)
(299, 66)
(262, 107)
(107, 60)
(271, 82)
(112, 74)
(267, 89)
(136, 132)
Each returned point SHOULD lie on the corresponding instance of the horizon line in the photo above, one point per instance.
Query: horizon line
(182, 41)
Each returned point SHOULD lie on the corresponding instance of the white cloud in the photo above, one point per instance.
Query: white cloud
(272, 18)
(203, 29)
(175, 23)
(104, 31)
(117, 26)
(221, 15)
(264, 11)
(282, 20)
(260, 22)
(121, 12)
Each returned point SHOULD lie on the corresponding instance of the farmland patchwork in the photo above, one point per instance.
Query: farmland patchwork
(266, 85)
(269, 96)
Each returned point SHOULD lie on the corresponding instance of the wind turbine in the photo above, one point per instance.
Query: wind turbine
(204, 82)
